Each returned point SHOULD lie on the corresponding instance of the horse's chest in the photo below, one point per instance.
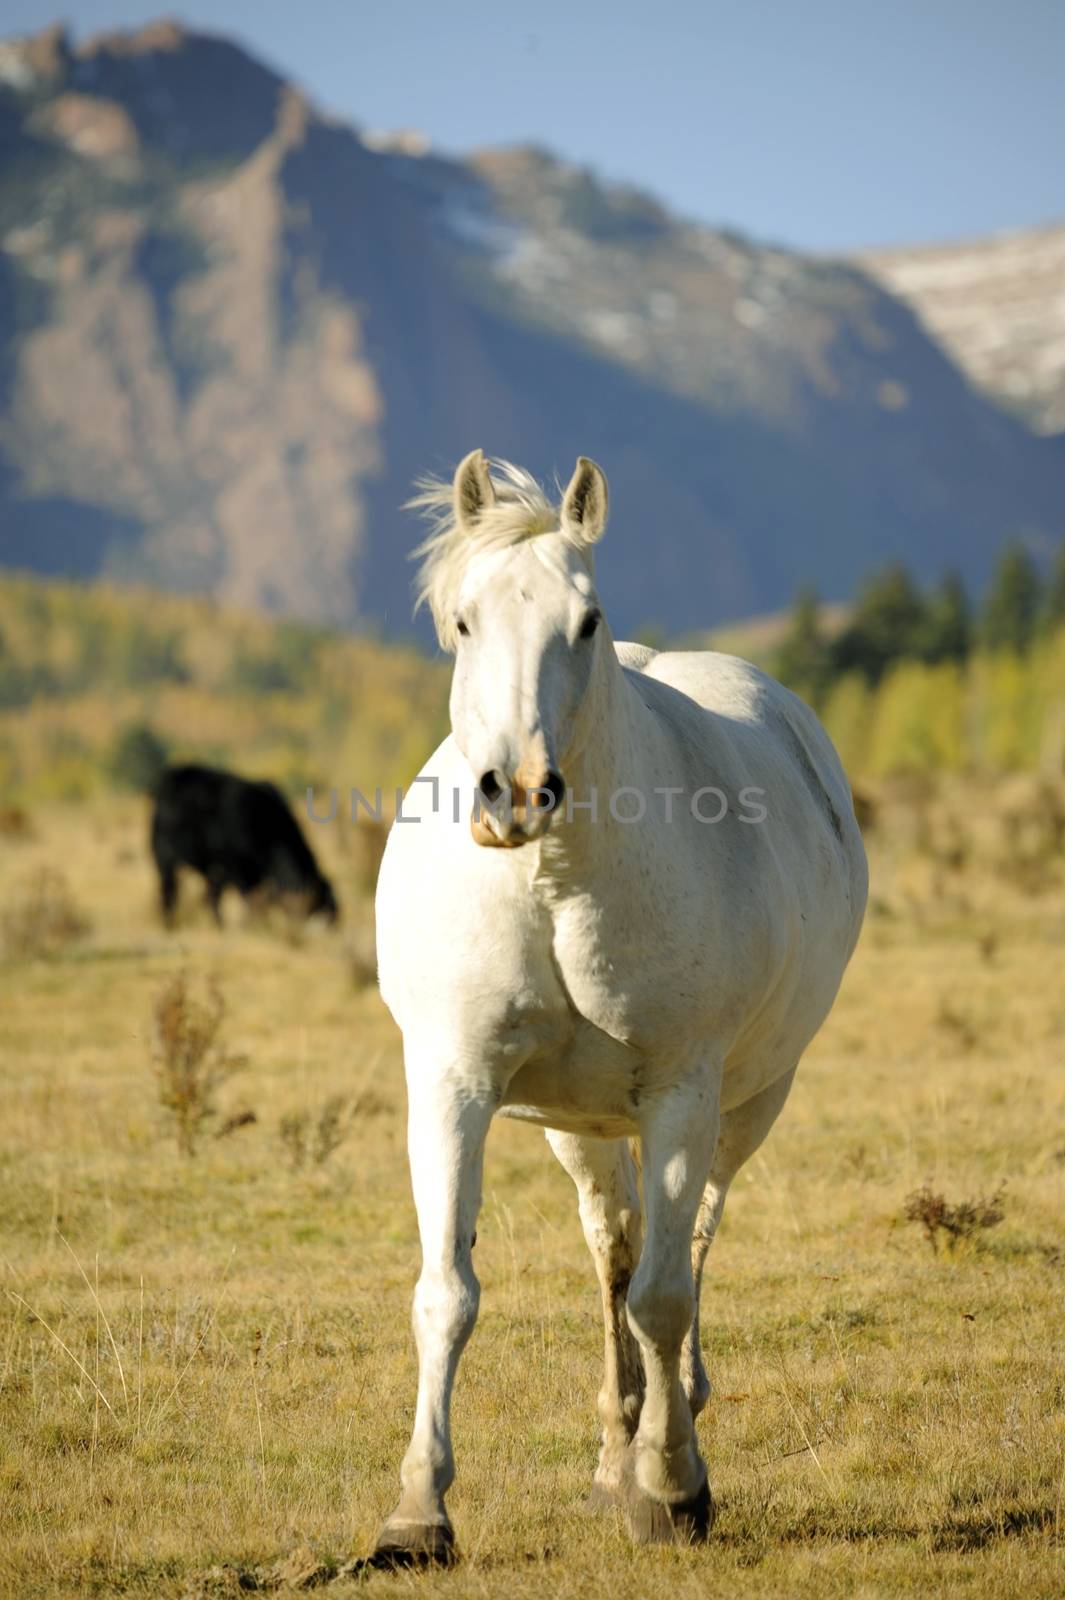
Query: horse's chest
(593, 1058)
(624, 974)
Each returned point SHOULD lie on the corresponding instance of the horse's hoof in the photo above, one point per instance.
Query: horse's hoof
(693, 1519)
(652, 1521)
(603, 1497)
(686, 1522)
(413, 1544)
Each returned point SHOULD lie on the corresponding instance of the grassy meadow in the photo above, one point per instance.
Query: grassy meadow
(206, 1370)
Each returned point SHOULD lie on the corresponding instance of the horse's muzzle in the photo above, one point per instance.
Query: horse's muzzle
(507, 815)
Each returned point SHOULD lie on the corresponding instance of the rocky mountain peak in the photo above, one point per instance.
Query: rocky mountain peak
(233, 332)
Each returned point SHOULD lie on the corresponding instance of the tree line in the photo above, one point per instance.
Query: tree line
(893, 620)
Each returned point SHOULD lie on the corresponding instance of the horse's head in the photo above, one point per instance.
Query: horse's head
(510, 582)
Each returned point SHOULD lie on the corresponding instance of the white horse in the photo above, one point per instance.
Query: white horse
(641, 944)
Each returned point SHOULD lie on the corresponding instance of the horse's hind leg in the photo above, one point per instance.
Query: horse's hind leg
(742, 1131)
(605, 1176)
(678, 1135)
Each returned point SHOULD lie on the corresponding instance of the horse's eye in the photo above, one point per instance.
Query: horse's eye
(462, 628)
(589, 625)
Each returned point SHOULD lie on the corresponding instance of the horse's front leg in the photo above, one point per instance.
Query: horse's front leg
(448, 1119)
(678, 1131)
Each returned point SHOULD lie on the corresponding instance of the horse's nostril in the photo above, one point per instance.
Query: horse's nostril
(490, 786)
(555, 786)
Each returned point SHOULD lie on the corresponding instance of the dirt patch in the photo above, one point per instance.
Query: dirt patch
(301, 1569)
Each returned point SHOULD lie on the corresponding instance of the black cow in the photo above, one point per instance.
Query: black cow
(236, 833)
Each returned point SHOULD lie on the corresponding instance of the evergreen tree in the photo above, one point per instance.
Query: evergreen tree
(137, 758)
(947, 631)
(887, 623)
(1012, 605)
(803, 658)
(1054, 603)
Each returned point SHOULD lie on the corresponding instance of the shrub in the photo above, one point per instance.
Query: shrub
(44, 917)
(961, 1221)
(15, 823)
(190, 1061)
(848, 716)
(309, 1137)
(917, 721)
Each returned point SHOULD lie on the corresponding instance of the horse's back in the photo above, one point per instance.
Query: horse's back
(727, 685)
(751, 708)
(760, 733)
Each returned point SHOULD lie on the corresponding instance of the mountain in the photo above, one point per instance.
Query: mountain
(998, 307)
(233, 332)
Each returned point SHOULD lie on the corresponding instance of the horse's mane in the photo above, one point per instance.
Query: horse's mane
(521, 511)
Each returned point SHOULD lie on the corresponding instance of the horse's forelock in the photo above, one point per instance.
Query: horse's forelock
(521, 511)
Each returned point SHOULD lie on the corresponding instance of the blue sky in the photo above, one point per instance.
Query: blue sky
(822, 124)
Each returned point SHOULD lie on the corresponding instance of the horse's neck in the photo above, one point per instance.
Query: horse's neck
(624, 740)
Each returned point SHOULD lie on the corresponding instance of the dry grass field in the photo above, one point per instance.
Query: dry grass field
(205, 1361)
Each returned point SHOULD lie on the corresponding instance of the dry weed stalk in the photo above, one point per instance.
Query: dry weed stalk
(44, 917)
(309, 1137)
(190, 1060)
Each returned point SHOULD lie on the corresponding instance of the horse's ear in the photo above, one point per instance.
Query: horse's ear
(584, 509)
(473, 489)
